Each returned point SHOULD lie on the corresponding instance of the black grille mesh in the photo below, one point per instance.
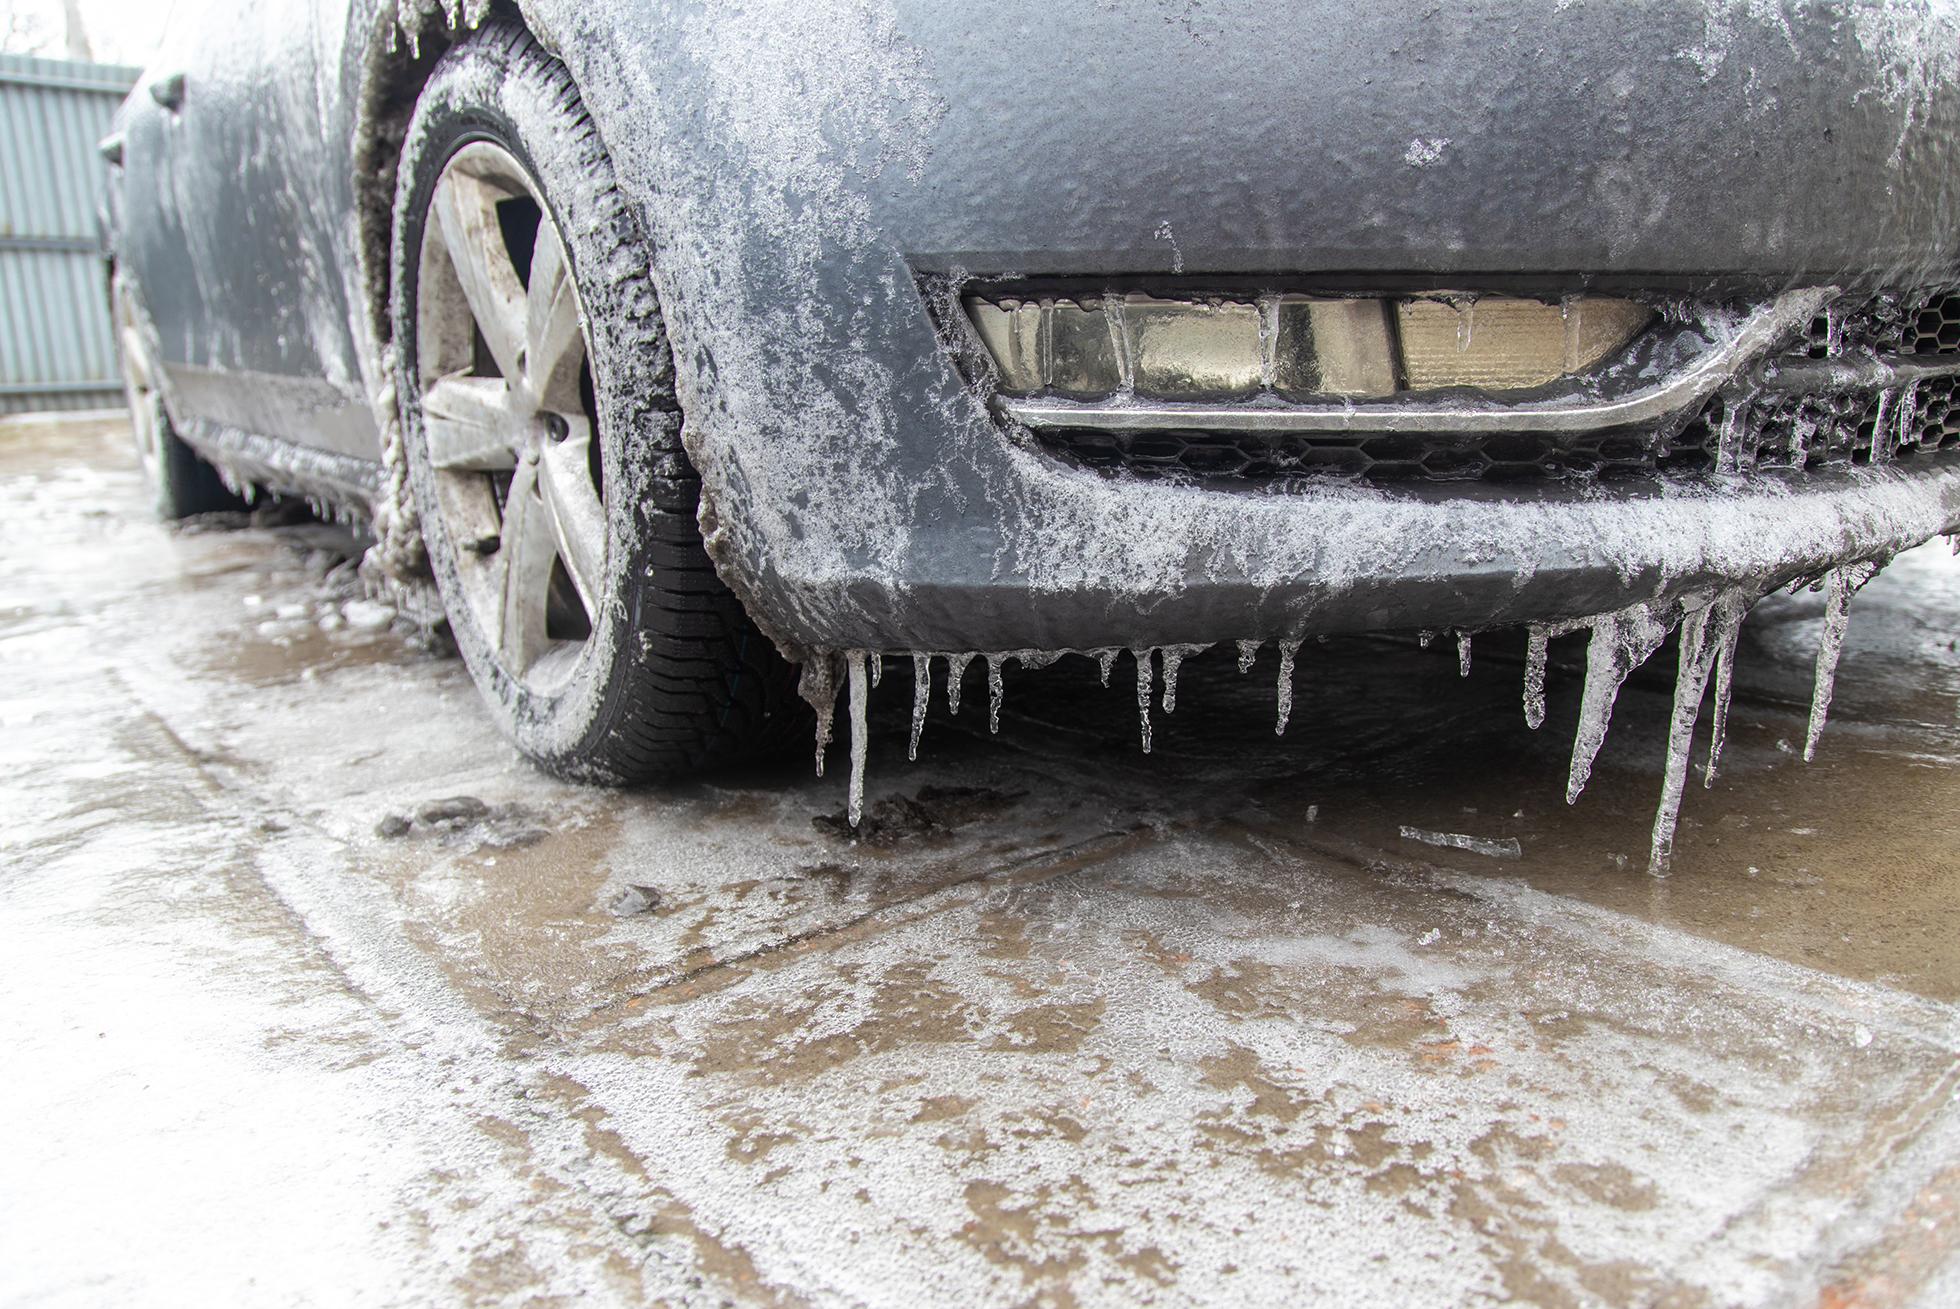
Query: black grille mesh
(1792, 432)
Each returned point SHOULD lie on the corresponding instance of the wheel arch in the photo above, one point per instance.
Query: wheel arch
(398, 61)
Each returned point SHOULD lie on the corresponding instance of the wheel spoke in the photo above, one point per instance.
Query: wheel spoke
(578, 517)
(466, 211)
(526, 550)
(472, 424)
(554, 345)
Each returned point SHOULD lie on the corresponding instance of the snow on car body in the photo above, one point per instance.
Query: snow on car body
(1027, 328)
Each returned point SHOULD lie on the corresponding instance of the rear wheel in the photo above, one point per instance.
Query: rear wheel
(181, 483)
(543, 438)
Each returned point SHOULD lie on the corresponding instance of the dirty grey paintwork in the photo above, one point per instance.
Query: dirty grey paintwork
(810, 173)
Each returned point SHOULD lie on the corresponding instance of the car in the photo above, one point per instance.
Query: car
(705, 357)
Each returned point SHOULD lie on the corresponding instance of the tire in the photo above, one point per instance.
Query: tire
(623, 658)
(181, 484)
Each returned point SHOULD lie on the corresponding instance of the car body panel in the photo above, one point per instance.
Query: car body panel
(814, 175)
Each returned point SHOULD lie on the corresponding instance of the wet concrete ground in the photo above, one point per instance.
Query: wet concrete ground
(1069, 1026)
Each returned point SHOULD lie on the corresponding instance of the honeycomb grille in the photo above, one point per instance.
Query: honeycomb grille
(1787, 433)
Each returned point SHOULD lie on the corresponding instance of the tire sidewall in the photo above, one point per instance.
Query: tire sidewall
(499, 88)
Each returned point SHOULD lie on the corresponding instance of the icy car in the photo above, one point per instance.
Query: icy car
(686, 346)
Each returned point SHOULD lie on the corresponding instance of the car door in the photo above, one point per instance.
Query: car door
(244, 224)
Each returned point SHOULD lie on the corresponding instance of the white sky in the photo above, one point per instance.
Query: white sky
(120, 31)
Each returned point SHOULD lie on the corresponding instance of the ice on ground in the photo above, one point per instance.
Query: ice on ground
(1506, 847)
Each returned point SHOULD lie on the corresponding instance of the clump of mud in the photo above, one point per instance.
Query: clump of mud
(464, 820)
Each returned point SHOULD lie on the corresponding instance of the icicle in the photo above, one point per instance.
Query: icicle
(876, 663)
(1704, 632)
(1466, 322)
(1833, 331)
(1173, 658)
(860, 731)
(1880, 426)
(1718, 731)
(1728, 438)
(1537, 648)
(1463, 654)
(1249, 650)
(1106, 662)
(1903, 433)
(1287, 649)
(818, 686)
(1838, 588)
(921, 695)
(995, 690)
(1142, 658)
(1620, 643)
(955, 675)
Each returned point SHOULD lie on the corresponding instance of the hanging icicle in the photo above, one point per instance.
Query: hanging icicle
(1287, 649)
(1621, 642)
(921, 695)
(1718, 731)
(996, 689)
(817, 684)
(1106, 663)
(1173, 657)
(1537, 649)
(1144, 677)
(1249, 650)
(860, 730)
(1729, 436)
(1839, 585)
(1463, 654)
(1704, 632)
(955, 675)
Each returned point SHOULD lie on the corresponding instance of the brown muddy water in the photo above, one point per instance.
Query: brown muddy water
(1065, 1024)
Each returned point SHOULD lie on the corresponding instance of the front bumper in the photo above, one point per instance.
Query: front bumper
(858, 492)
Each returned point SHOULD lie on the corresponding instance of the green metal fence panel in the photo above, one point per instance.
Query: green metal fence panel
(56, 350)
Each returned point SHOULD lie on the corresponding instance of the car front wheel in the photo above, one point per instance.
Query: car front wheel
(542, 435)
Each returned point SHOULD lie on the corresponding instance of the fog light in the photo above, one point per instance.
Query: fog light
(1293, 347)
(1186, 349)
(1332, 347)
(1503, 344)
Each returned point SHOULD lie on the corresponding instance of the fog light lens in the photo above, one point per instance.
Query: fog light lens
(1501, 344)
(1184, 349)
(1294, 347)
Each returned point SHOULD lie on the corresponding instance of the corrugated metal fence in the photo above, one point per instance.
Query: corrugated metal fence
(55, 346)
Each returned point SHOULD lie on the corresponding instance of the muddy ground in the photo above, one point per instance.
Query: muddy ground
(1071, 1025)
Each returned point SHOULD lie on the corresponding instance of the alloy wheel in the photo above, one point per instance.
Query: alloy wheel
(507, 414)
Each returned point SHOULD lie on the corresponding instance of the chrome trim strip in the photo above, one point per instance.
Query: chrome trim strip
(1870, 373)
(1758, 334)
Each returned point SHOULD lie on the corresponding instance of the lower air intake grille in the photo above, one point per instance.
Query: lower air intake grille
(1784, 432)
